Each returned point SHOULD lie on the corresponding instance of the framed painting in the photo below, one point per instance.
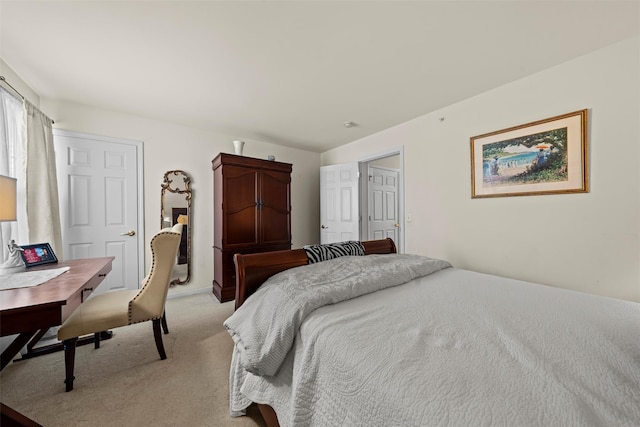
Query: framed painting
(544, 157)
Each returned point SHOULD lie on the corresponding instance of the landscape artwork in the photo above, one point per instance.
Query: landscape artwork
(543, 157)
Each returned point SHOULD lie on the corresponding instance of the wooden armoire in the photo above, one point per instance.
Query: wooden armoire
(251, 213)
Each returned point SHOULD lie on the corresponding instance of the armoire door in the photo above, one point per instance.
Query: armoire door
(275, 207)
(240, 206)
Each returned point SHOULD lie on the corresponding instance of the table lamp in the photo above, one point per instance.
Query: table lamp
(8, 209)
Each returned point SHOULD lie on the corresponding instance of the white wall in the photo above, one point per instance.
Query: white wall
(588, 242)
(18, 84)
(168, 146)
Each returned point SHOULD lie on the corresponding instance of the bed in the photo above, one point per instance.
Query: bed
(386, 339)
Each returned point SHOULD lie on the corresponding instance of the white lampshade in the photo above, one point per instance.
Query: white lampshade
(7, 198)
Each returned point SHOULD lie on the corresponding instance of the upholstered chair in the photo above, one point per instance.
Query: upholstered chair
(121, 308)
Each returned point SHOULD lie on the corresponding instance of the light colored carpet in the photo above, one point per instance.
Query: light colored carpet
(124, 382)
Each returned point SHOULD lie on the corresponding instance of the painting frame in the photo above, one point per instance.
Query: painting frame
(548, 156)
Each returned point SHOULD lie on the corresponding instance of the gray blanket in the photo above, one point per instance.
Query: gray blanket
(264, 328)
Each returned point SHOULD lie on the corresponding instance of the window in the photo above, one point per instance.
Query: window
(11, 157)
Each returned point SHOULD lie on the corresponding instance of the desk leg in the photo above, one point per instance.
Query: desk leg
(14, 348)
(36, 338)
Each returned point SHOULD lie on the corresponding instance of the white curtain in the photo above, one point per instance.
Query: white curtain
(11, 161)
(27, 154)
(43, 213)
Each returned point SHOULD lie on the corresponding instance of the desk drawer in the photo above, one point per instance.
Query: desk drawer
(82, 294)
(93, 283)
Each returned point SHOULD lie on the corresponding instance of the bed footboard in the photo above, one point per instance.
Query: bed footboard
(252, 270)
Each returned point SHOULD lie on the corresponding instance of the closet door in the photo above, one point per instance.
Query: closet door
(339, 203)
(100, 189)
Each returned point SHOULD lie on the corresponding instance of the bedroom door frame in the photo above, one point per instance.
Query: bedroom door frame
(364, 187)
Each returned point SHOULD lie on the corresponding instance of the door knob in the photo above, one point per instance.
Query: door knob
(396, 225)
(323, 226)
(128, 233)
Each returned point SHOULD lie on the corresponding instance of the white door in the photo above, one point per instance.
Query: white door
(100, 203)
(339, 214)
(383, 203)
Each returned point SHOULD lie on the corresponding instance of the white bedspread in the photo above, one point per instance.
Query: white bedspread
(457, 348)
(263, 328)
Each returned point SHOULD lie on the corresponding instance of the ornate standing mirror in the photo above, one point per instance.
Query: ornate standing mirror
(175, 202)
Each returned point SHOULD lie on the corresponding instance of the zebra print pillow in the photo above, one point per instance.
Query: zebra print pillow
(317, 253)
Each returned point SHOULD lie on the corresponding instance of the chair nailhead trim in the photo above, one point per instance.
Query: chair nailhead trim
(153, 264)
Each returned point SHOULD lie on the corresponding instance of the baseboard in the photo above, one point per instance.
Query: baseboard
(189, 292)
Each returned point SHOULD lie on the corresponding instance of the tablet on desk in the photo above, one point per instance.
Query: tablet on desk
(38, 254)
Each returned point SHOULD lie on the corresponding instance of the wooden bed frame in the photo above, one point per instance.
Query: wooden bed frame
(252, 270)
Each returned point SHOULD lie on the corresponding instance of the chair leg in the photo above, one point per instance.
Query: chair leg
(165, 328)
(158, 336)
(69, 361)
(96, 340)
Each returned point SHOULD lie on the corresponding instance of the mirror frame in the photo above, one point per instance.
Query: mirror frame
(168, 179)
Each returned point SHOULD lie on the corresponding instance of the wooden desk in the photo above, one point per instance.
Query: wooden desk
(27, 311)
(30, 311)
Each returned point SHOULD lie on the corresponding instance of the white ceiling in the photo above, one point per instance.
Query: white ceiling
(293, 72)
